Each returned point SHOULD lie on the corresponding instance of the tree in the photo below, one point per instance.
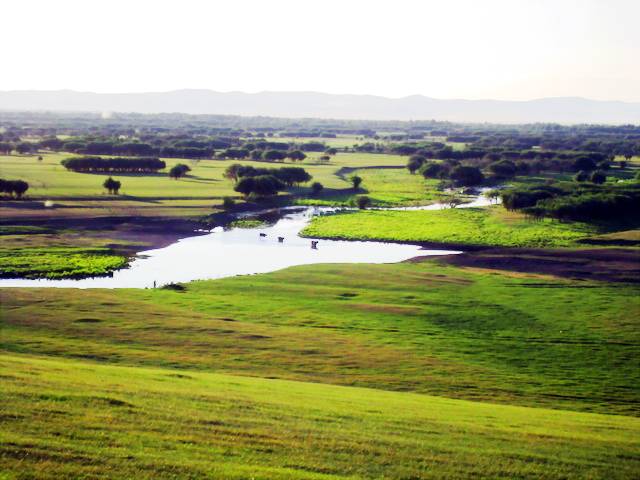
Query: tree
(296, 155)
(118, 164)
(24, 147)
(331, 151)
(112, 186)
(503, 169)
(316, 188)
(14, 187)
(492, 195)
(363, 202)
(274, 155)
(466, 176)
(355, 181)
(622, 164)
(179, 170)
(598, 177)
(453, 201)
(5, 148)
(260, 185)
(434, 170)
(414, 163)
(232, 172)
(584, 163)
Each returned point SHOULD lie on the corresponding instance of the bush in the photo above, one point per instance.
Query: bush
(316, 188)
(363, 202)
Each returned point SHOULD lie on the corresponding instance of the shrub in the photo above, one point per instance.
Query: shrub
(316, 188)
(363, 202)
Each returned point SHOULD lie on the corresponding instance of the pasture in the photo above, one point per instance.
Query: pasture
(80, 419)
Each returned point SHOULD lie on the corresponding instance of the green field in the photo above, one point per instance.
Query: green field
(468, 226)
(82, 194)
(213, 382)
(419, 327)
(82, 420)
(52, 262)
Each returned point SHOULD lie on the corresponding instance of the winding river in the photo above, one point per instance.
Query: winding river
(243, 251)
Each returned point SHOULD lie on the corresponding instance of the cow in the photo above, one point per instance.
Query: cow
(263, 234)
(280, 239)
(314, 244)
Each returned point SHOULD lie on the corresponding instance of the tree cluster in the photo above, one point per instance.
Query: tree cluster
(109, 165)
(13, 188)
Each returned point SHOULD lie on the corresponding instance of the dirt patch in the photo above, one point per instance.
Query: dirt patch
(609, 265)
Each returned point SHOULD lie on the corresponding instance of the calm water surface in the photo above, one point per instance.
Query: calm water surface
(225, 253)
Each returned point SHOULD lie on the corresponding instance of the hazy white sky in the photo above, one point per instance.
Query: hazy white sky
(504, 49)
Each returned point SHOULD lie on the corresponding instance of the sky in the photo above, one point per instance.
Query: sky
(474, 49)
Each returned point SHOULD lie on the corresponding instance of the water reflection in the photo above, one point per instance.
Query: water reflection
(225, 253)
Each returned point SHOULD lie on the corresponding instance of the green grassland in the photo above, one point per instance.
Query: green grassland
(83, 420)
(51, 262)
(384, 186)
(487, 226)
(420, 327)
(198, 193)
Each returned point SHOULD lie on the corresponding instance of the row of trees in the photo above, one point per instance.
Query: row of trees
(118, 164)
(13, 188)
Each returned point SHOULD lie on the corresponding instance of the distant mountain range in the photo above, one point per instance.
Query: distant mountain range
(323, 105)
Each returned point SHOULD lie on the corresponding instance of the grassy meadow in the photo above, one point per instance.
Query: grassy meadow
(423, 327)
(469, 226)
(415, 370)
(80, 419)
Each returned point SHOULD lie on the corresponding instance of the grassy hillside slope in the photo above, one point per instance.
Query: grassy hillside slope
(497, 337)
(74, 419)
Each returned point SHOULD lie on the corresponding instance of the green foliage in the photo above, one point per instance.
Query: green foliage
(247, 223)
(576, 201)
(179, 170)
(469, 226)
(362, 201)
(58, 262)
(259, 185)
(111, 185)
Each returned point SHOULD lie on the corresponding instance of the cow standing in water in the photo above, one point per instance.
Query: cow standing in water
(314, 244)
(280, 239)
(263, 234)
